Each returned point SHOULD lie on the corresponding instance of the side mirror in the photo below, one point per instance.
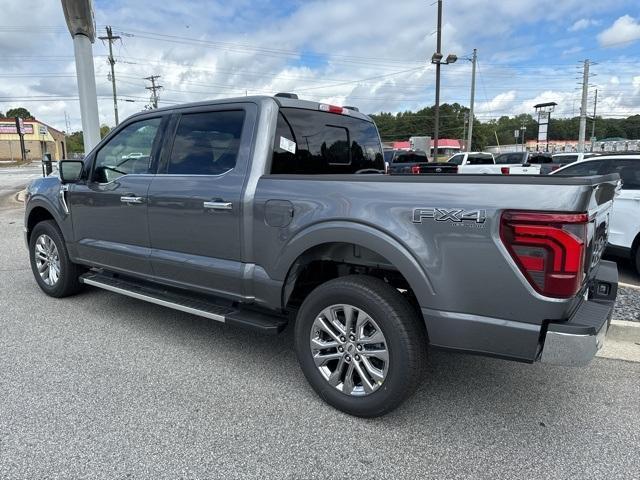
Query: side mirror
(70, 170)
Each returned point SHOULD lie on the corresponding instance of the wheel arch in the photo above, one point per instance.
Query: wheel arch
(353, 244)
(37, 213)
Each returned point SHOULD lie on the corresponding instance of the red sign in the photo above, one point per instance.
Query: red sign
(11, 128)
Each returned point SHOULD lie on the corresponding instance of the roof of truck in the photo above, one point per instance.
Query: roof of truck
(257, 99)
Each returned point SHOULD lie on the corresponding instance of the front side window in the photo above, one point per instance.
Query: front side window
(129, 152)
(206, 143)
(309, 142)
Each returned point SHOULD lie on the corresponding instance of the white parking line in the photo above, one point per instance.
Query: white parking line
(628, 285)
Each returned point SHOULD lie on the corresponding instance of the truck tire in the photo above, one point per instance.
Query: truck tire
(637, 259)
(54, 272)
(360, 345)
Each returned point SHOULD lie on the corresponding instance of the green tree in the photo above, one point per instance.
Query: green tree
(18, 112)
(104, 129)
(75, 142)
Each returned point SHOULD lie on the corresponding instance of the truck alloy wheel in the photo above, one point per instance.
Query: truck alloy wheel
(349, 349)
(360, 344)
(47, 260)
(54, 272)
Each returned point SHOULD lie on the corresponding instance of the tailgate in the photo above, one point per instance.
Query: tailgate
(525, 170)
(601, 203)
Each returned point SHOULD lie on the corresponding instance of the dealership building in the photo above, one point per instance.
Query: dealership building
(39, 138)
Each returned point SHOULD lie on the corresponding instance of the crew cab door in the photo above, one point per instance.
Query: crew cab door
(109, 210)
(196, 201)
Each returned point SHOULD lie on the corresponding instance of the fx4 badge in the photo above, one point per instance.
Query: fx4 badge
(455, 215)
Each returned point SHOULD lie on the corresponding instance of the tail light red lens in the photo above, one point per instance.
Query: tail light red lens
(415, 169)
(504, 170)
(548, 248)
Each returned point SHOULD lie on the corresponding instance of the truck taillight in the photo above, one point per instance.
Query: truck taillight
(504, 170)
(416, 169)
(548, 248)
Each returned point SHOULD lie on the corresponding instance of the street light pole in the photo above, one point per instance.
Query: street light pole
(436, 112)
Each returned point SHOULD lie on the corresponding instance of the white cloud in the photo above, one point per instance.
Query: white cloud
(624, 30)
(331, 44)
(582, 24)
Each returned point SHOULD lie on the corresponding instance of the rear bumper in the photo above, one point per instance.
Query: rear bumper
(576, 341)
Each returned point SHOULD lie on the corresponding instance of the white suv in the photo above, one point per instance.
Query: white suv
(624, 227)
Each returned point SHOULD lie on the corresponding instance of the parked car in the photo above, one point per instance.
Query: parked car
(559, 160)
(260, 211)
(624, 231)
(405, 162)
(475, 162)
(523, 163)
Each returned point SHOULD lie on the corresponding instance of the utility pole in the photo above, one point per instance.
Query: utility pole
(474, 61)
(154, 89)
(66, 122)
(523, 129)
(583, 108)
(464, 129)
(593, 124)
(111, 38)
(436, 115)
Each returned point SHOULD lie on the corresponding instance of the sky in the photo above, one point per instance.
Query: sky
(366, 53)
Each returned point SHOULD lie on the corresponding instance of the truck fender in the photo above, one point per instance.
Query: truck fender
(365, 236)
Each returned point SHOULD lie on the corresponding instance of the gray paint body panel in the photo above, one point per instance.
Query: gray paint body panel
(471, 294)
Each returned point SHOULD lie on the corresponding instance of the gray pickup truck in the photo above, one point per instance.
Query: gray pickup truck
(264, 211)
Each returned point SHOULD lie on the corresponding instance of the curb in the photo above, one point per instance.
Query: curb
(622, 341)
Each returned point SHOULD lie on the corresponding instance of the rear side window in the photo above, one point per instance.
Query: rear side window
(480, 160)
(629, 171)
(591, 167)
(311, 142)
(206, 143)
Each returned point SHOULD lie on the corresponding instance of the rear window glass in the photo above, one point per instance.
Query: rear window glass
(538, 159)
(410, 158)
(457, 159)
(310, 142)
(509, 158)
(564, 159)
(480, 160)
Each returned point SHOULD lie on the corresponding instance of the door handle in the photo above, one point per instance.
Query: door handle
(218, 205)
(131, 199)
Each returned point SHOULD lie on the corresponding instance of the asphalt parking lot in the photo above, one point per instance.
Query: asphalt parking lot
(103, 386)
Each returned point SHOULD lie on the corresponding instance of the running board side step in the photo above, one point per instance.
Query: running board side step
(188, 302)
